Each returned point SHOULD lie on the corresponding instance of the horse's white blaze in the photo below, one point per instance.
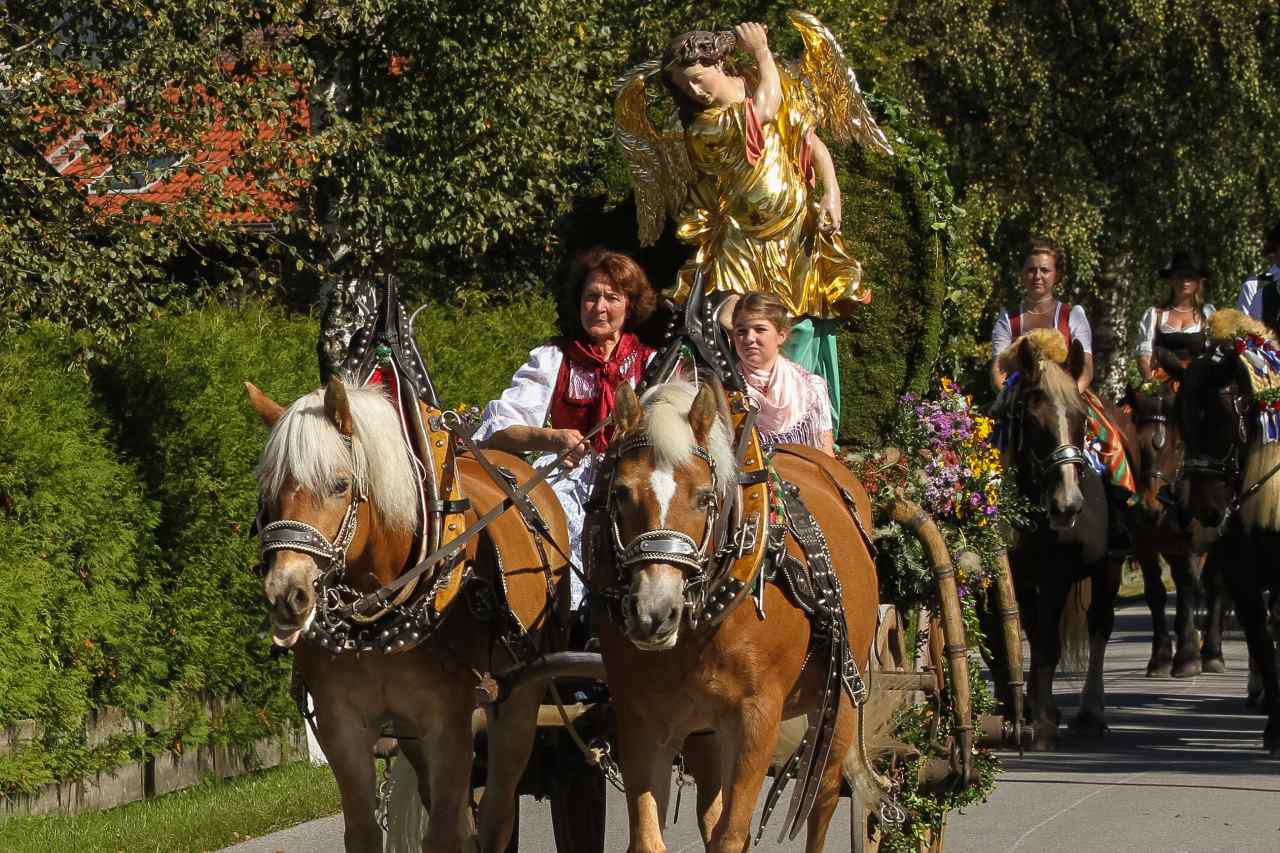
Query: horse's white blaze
(663, 482)
(1069, 479)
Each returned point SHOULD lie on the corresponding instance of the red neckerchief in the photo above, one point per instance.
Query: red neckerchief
(625, 364)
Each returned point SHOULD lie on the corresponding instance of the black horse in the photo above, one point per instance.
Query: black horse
(1045, 422)
(1230, 489)
(1160, 531)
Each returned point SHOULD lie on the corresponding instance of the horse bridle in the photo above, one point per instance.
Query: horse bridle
(1227, 466)
(1158, 442)
(664, 545)
(288, 534)
(1063, 454)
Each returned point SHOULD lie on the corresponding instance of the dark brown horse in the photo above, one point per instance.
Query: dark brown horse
(1160, 531)
(1046, 422)
(339, 492)
(734, 682)
(1232, 494)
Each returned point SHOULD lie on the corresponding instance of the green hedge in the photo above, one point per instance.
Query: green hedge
(125, 507)
(178, 393)
(473, 346)
(78, 629)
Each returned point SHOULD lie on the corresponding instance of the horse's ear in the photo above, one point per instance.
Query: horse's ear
(703, 413)
(627, 414)
(337, 408)
(269, 410)
(1029, 361)
(1075, 360)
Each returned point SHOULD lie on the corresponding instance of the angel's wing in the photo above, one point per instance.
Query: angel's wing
(833, 86)
(659, 162)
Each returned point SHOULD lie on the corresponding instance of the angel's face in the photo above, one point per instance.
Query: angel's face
(707, 85)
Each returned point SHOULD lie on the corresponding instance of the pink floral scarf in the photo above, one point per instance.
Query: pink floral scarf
(783, 394)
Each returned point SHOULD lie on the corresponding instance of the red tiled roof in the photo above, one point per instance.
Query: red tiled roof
(173, 178)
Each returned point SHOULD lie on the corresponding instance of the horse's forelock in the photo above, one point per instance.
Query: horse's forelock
(1061, 387)
(304, 445)
(667, 428)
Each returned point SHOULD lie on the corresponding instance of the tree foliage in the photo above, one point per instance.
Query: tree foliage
(1125, 128)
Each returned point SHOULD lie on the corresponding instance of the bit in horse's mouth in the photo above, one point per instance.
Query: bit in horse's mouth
(287, 637)
(659, 643)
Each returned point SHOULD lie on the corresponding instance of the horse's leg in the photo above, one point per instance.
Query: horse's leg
(347, 739)
(702, 761)
(994, 656)
(646, 774)
(1157, 598)
(1102, 615)
(1241, 575)
(1211, 659)
(512, 728)
(747, 741)
(451, 749)
(1184, 567)
(829, 792)
(1046, 649)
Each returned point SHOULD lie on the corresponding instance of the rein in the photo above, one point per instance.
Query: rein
(452, 549)
(338, 605)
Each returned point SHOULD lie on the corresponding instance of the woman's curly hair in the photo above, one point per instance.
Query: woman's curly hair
(624, 275)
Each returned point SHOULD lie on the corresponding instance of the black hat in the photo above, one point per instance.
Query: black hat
(1185, 260)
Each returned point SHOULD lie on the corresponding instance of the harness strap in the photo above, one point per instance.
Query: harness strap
(447, 551)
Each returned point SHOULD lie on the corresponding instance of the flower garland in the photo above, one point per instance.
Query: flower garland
(1263, 358)
(949, 464)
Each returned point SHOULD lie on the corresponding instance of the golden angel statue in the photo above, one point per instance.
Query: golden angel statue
(738, 167)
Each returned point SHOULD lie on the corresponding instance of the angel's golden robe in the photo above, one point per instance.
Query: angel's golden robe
(752, 210)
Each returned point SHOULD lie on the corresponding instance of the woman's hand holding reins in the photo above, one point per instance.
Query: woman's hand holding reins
(564, 439)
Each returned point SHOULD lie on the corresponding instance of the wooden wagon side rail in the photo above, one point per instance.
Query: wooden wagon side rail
(909, 514)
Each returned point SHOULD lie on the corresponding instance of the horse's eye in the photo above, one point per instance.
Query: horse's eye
(341, 486)
(621, 493)
(705, 498)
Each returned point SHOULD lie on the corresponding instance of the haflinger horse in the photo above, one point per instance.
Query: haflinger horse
(342, 512)
(1160, 531)
(1068, 546)
(1230, 485)
(688, 671)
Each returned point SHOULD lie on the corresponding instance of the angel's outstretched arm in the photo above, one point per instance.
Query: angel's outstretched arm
(767, 100)
(831, 205)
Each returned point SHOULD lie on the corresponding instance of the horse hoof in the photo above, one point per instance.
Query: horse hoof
(1159, 669)
(1042, 745)
(1088, 723)
(1188, 668)
(1215, 665)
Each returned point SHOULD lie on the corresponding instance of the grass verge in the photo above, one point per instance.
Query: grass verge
(206, 817)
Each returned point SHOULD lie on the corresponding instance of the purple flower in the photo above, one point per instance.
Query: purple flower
(975, 500)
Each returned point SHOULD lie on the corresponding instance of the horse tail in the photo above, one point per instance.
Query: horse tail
(1073, 630)
(406, 818)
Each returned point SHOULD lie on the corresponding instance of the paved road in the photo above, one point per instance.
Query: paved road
(1181, 771)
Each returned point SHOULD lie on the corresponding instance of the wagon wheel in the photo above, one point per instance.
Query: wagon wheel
(577, 795)
(896, 679)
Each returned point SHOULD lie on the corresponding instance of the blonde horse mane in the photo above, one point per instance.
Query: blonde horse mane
(667, 427)
(305, 445)
(1050, 352)
(1230, 323)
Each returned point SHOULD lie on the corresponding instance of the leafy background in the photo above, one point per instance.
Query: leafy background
(468, 149)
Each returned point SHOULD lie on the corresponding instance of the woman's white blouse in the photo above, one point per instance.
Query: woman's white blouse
(527, 402)
(1077, 322)
(1157, 319)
